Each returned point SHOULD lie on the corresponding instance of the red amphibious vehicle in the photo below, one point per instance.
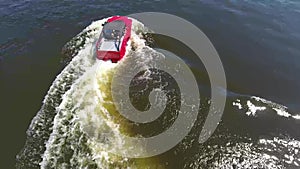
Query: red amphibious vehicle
(113, 39)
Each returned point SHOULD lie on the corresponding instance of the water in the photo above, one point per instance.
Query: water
(258, 45)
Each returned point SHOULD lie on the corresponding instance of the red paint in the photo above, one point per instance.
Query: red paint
(116, 56)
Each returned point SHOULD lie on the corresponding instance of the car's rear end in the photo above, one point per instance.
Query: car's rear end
(108, 55)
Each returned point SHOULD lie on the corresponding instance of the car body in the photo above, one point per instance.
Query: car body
(113, 39)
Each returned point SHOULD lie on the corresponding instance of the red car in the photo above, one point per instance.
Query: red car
(113, 39)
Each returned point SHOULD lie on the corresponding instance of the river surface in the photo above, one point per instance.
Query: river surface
(258, 43)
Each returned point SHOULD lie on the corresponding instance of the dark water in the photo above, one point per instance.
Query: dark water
(258, 42)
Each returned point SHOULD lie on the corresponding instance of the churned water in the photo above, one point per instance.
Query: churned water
(64, 97)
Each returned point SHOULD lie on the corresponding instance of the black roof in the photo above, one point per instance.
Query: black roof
(113, 29)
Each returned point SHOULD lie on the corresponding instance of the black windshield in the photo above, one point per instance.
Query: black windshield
(114, 30)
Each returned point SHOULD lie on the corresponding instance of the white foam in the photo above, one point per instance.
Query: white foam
(250, 155)
(282, 112)
(283, 154)
(86, 98)
(238, 104)
(252, 109)
(297, 117)
(286, 149)
(279, 109)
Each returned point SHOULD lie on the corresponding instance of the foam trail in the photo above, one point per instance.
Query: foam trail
(41, 125)
(67, 134)
(77, 100)
(84, 129)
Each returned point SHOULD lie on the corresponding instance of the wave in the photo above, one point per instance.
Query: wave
(255, 104)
